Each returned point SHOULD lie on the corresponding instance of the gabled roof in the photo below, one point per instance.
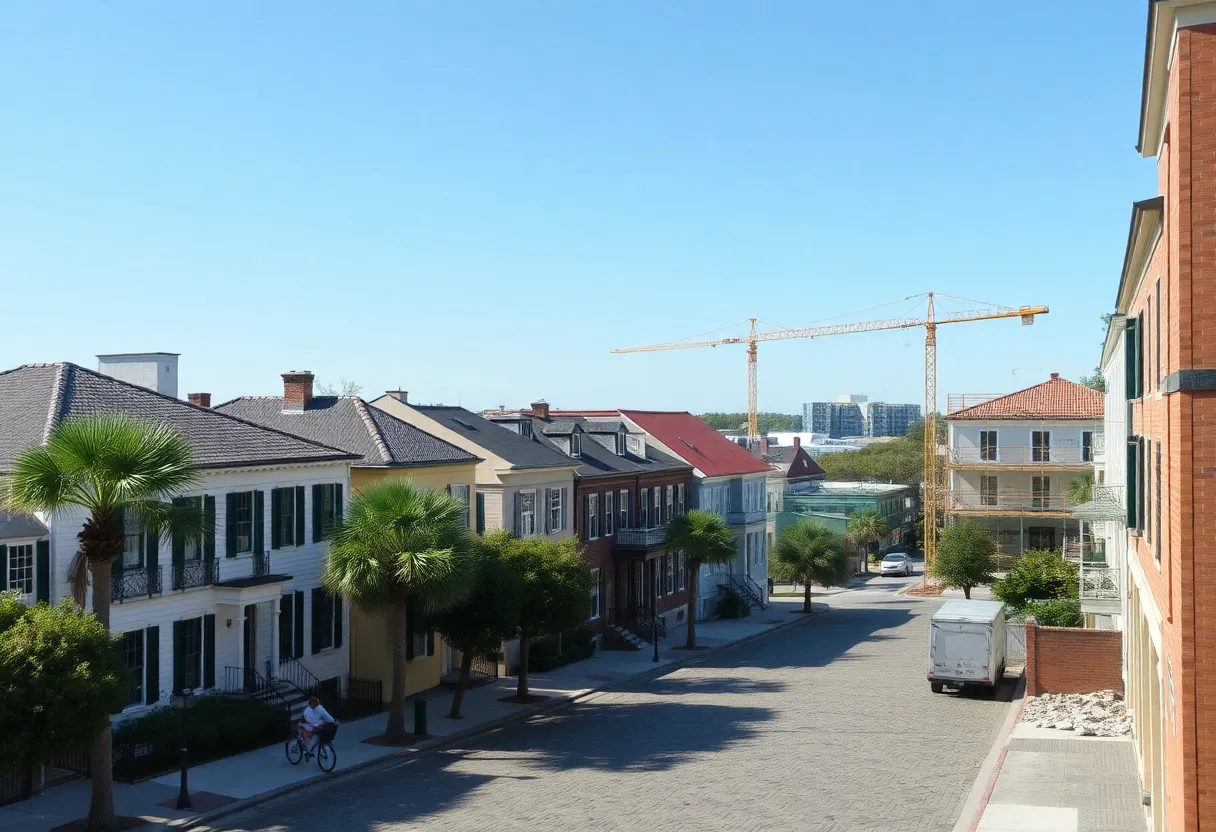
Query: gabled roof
(1056, 398)
(496, 439)
(348, 422)
(794, 463)
(36, 397)
(697, 443)
(13, 526)
(597, 459)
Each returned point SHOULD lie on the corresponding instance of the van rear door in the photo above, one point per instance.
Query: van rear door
(960, 651)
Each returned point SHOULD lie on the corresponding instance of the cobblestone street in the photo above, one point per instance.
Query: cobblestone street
(827, 725)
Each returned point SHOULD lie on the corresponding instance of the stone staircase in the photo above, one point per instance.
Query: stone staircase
(623, 639)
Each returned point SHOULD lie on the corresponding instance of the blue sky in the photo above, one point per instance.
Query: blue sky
(476, 201)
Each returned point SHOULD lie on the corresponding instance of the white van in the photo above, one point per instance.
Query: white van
(967, 645)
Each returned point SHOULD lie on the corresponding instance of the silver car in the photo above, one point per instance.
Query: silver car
(896, 564)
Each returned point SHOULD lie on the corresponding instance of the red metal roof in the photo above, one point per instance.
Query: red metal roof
(1056, 398)
(697, 443)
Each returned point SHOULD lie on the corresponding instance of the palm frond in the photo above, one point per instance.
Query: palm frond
(810, 553)
(78, 578)
(703, 537)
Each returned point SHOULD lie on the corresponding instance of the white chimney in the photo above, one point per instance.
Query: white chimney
(153, 370)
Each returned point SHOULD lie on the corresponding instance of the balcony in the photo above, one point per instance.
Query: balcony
(132, 584)
(1024, 457)
(640, 538)
(743, 518)
(1009, 501)
(1105, 504)
(1100, 587)
(196, 574)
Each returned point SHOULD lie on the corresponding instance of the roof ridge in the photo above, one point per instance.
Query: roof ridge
(56, 401)
(373, 429)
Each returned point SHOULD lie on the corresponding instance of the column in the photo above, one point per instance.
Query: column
(274, 637)
(240, 646)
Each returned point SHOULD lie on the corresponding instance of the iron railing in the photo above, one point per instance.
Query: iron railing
(1008, 499)
(195, 574)
(744, 586)
(129, 584)
(1099, 582)
(363, 697)
(261, 564)
(1070, 455)
(641, 538)
(645, 624)
(296, 675)
(246, 680)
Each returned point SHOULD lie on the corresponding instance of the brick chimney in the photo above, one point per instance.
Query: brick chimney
(200, 399)
(297, 389)
(540, 409)
(797, 443)
(1055, 376)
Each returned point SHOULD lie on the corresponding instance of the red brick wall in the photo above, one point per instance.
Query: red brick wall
(1072, 660)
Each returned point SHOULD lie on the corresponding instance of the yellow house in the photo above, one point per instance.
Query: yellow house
(389, 448)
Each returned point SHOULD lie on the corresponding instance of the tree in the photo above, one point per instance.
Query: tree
(1096, 381)
(400, 546)
(60, 679)
(808, 552)
(484, 620)
(344, 388)
(768, 422)
(1081, 489)
(966, 556)
(865, 527)
(1038, 575)
(119, 470)
(705, 539)
(554, 589)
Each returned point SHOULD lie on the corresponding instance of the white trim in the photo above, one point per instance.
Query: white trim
(1148, 604)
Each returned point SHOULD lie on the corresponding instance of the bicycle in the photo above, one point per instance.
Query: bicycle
(326, 754)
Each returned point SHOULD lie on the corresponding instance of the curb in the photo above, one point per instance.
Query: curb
(985, 781)
(397, 758)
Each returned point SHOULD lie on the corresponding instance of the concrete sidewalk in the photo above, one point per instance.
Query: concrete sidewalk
(266, 772)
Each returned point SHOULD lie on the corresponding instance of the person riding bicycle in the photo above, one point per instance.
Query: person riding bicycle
(314, 717)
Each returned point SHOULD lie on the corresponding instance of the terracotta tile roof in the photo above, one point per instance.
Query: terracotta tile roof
(1056, 398)
(697, 443)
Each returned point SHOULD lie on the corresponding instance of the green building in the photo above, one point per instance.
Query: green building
(833, 502)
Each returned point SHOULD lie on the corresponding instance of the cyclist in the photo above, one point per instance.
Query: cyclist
(314, 717)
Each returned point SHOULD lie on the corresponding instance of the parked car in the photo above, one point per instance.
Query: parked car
(896, 564)
(967, 645)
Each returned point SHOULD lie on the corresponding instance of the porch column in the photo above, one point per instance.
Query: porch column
(274, 637)
(240, 642)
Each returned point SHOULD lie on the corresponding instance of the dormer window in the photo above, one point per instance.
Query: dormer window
(576, 445)
(525, 429)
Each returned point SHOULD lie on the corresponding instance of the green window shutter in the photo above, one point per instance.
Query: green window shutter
(230, 527)
(337, 621)
(208, 652)
(151, 665)
(318, 502)
(338, 513)
(1140, 355)
(3, 568)
(179, 542)
(259, 523)
(409, 628)
(42, 572)
(299, 511)
(318, 598)
(116, 564)
(209, 528)
(297, 609)
(179, 655)
(1130, 475)
(276, 518)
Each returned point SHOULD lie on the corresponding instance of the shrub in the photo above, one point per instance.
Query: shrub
(733, 605)
(1038, 575)
(1056, 613)
(547, 652)
(965, 556)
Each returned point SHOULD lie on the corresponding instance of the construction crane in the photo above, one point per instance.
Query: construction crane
(933, 484)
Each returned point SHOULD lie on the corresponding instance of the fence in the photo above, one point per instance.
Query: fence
(16, 786)
(1015, 641)
(363, 697)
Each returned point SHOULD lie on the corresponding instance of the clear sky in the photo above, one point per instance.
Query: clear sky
(475, 201)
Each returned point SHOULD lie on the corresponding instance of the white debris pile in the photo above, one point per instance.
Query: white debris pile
(1101, 714)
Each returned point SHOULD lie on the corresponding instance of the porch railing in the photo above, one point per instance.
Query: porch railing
(641, 538)
(261, 564)
(1099, 582)
(1009, 500)
(248, 681)
(1072, 455)
(297, 675)
(135, 583)
(196, 574)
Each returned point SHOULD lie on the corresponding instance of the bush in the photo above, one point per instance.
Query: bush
(1038, 575)
(733, 605)
(546, 653)
(1057, 613)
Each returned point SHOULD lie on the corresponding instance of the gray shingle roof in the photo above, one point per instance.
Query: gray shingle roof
(13, 526)
(596, 459)
(351, 423)
(500, 441)
(36, 397)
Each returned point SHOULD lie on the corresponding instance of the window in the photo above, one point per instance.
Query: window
(622, 509)
(1147, 367)
(422, 641)
(576, 445)
(987, 446)
(481, 513)
(1087, 446)
(133, 545)
(609, 517)
(527, 514)
(325, 621)
(193, 549)
(283, 513)
(658, 506)
(680, 498)
(988, 493)
(671, 572)
(133, 658)
(192, 654)
(329, 512)
(461, 493)
(1157, 333)
(593, 516)
(1040, 441)
(595, 595)
(645, 506)
(555, 509)
(682, 570)
(1157, 505)
(1040, 492)
(1133, 349)
(21, 568)
(243, 521)
(671, 500)
(525, 429)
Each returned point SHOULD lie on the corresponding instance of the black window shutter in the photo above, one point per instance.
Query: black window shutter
(337, 621)
(230, 527)
(338, 503)
(297, 609)
(285, 624)
(318, 598)
(116, 564)
(409, 629)
(1130, 475)
(519, 521)
(3, 568)
(208, 528)
(259, 530)
(151, 665)
(151, 552)
(179, 655)
(276, 518)
(318, 502)
(208, 651)
(42, 577)
(481, 512)
(299, 510)
(179, 542)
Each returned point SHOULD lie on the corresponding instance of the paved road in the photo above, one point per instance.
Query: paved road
(827, 725)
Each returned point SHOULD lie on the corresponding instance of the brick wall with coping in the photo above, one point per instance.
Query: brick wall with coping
(1072, 660)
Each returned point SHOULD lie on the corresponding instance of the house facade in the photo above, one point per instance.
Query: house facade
(244, 606)
(1010, 460)
(386, 448)
(793, 471)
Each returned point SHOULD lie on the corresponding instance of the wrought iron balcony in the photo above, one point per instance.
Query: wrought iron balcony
(1105, 503)
(1024, 456)
(640, 538)
(195, 574)
(261, 564)
(142, 582)
(1099, 582)
(744, 517)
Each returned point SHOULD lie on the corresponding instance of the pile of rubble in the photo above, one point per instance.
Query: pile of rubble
(1101, 714)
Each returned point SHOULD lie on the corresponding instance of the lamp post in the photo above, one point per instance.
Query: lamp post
(183, 702)
(654, 609)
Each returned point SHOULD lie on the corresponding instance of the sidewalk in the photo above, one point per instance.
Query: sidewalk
(266, 772)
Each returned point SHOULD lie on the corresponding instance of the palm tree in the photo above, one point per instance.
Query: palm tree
(704, 538)
(112, 466)
(1081, 489)
(808, 552)
(401, 546)
(865, 527)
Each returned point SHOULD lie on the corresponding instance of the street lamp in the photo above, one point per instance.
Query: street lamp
(183, 702)
(654, 611)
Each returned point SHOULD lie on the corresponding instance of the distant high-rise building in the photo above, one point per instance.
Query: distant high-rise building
(855, 415)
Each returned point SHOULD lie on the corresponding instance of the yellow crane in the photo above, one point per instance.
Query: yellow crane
(933, 470)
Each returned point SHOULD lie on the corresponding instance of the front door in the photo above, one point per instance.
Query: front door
(251, 645)
(1041, 537)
